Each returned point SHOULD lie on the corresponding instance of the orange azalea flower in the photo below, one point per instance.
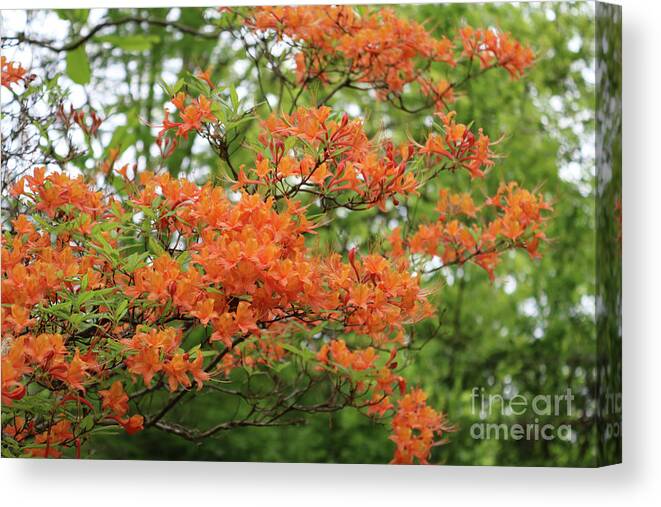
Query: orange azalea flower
(416, 428)
(18, 318)
(132, 424)
(196, 369)
(375, 172)
(13, 367)
(193, 116)
(146, 362)
(496, 48)
(205, 76)
(17, 429)
(460, 147)
(244, 318)
(22, 225)
(115, 399)
(176, 371)
(11, 72)
(379, 47)
(47, 350)
(338, 352)
(76, 372)
(204, 311)
(57, 434)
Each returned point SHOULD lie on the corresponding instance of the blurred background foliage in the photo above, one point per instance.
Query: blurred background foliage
(531, 331)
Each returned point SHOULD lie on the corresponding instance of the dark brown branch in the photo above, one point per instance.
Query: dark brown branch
(21, 37)
(196, 435)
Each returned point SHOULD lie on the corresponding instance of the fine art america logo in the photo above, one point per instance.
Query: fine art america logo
(521, 417)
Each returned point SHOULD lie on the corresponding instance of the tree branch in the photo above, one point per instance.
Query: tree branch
(21, 37)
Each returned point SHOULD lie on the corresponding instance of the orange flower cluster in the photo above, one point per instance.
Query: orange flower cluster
(46, 359)
(380, 381)
(250, 266)
(249, 273)
(46, 442)
(377, 48)
(193, 116)
(18, 429)
(12, 73)
(521, 213)
(460, 147)
(495, 48)
(59, 193)
(38, 274)
(336, 44)
(380, 297)
(115, 400)
(33, 270)
(416, 429)
(46, 353)
(58, 434)
(456, 237)
(157, 350)
(347, 162)
(339, 353)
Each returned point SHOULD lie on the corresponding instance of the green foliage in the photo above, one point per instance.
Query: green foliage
(78, 66)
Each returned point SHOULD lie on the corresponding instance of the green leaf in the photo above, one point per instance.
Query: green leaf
(142, 42)
(155, 247)
(78, 66)
(87, 423)
(178, 86)
(235, 98)
(121, 310)
(167, 89)
(73, 15)
(241, 121)
(184, 258)
(303, 353)
(201, 87)
(218, 111)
